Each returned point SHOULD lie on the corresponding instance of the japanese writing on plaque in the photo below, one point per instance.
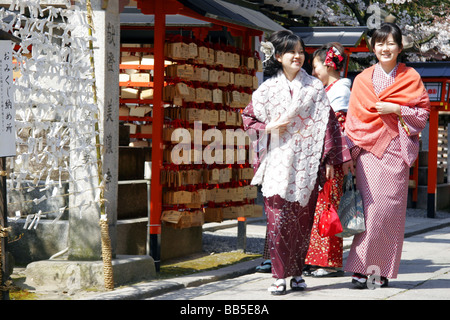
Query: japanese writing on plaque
(7, 110)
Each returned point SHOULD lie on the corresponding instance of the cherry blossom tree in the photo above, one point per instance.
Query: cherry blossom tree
(425, 23)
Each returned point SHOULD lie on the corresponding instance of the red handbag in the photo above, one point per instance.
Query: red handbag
(329, 223)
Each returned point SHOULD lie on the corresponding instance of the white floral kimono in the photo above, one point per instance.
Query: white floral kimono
(293, 164)
(290, 166)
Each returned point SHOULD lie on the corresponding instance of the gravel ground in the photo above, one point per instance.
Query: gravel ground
(422, 213)
(216, 242)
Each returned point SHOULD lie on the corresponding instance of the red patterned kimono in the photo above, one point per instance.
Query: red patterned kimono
(327, 251)
(291, 171)
(383, 148)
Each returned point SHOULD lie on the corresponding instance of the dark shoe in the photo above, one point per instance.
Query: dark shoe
(265, 267)
(384, 282)
(308, 270)
(298, 285)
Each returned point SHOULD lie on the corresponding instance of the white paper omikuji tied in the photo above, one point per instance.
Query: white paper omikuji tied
(54, 107)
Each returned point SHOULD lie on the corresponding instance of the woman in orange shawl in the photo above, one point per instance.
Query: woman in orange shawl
(388, 108)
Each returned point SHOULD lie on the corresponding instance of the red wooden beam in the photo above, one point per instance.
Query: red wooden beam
(432, 162)
(165, 6)
(158, 117)
(156, 194)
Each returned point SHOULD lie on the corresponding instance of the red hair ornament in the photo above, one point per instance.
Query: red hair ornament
(331, 55)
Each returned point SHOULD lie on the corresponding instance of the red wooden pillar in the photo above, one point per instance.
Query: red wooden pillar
(247, 41)
(432, 162)
(157, 146)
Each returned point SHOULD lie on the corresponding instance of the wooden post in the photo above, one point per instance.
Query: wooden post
(3, 226)
(7, 149)
(432, 162)
(242, 234)
(157, 147)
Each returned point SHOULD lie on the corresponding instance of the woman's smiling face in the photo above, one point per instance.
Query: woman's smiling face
(292, 61)
(387, 51)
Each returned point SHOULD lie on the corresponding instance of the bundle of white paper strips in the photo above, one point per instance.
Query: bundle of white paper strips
(55, 122)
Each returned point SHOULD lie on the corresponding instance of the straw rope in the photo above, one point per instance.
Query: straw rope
(4, 232)
(106, 255)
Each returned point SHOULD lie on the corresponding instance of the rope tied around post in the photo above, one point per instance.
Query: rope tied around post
(4, 232)
(8, 285)
(106, 255)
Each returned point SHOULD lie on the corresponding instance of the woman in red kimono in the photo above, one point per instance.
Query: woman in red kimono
(292, 108)
(388, 108)
(324, 257)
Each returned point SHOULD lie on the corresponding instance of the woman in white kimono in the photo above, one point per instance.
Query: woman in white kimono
(305, 140)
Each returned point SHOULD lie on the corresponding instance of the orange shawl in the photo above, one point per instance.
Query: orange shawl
(364, 126)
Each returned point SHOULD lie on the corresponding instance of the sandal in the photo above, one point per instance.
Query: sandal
(324, 272)
(298, 284)
(360, 281)
(265, 267)
(278, 287)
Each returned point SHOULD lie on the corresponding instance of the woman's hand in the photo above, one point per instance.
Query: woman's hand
(387, 108)
(329, 171)
(348, 167)
(279, 125)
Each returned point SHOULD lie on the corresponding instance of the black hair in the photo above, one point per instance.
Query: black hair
(321, 53)
(386, 29)
(283, 41)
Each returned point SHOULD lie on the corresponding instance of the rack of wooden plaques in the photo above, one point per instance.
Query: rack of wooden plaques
(205, 179)
(136, 92)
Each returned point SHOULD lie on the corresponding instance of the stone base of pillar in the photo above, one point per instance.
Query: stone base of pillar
(72, 276)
